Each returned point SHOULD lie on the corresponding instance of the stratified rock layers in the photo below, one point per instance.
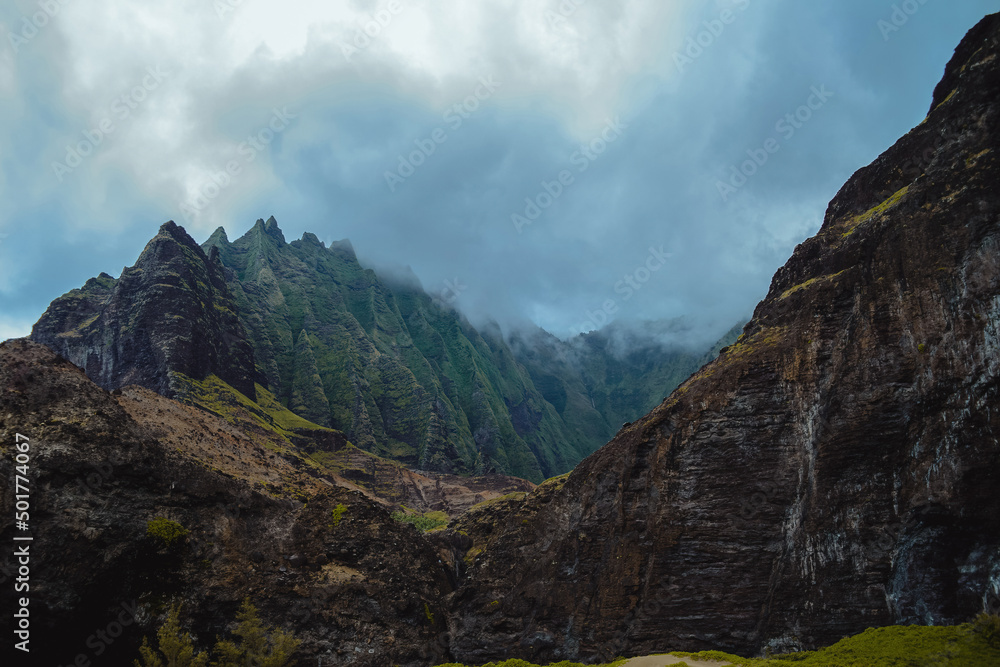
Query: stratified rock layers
(837, 468)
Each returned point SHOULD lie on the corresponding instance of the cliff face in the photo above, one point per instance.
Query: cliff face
(169, 313)
(355, 585)
(834, 469)
(400, 373)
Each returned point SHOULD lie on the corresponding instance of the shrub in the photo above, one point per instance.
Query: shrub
(258, 645)
(165, 530)
(423, 522)
(338, 513)
(988, 627)
(174, 648)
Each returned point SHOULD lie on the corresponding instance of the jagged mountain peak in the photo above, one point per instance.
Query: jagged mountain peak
(171, 312)
(931, 149)
(399, 371)
(264, 230)
(344, 247)
(218, 237)
(312, 239)
(965, 67)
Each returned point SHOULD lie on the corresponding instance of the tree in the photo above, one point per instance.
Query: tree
(175, 647)
(259, 646)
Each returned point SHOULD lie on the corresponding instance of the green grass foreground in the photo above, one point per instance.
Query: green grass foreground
(975, 644)
(968, 645)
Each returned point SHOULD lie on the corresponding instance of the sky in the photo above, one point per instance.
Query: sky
(564, 163)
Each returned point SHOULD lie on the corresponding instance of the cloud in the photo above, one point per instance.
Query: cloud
(300, 109)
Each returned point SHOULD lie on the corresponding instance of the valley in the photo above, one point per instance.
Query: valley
(262, 438)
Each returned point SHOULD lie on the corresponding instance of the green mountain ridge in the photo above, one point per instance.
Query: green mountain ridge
(400, 373)
(406, 377)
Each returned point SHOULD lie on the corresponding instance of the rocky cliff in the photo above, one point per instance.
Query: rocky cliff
(169, 313)
(319, 560)
(399, 372)
(834, 469)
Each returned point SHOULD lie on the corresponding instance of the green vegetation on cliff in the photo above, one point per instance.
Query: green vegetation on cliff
(406, 377)
(400, 373)
(422, 522)
(165, 530)
(967, 645)
(401, 376)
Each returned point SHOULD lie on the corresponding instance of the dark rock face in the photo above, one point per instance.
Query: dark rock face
(356, 586)
(170, 312)
(836, 468)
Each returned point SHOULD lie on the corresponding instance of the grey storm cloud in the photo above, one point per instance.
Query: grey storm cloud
(565, 164)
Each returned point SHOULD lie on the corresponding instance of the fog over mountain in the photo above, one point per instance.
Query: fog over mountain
(564, 164)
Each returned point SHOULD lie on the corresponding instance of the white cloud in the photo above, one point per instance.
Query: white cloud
(575, 63)
(561, 79)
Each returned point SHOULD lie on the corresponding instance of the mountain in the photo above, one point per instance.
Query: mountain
(400, 374)
(169, 313)
(599, 380)
(835, 468)
(249, 519)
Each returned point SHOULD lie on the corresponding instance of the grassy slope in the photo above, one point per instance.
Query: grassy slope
(967, 645)
(311, 448)
(963, 645)
(215, 396)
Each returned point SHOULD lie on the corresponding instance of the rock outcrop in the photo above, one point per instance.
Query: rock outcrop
(169, 313)
(834, 469)
(355, 585)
